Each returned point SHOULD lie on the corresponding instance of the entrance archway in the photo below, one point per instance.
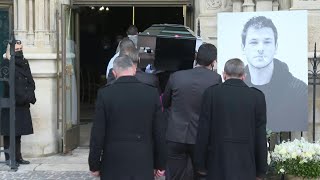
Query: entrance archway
(100, 28)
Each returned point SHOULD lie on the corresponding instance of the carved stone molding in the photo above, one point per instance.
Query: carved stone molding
(213, 4)
(212, 7)
(218, 4)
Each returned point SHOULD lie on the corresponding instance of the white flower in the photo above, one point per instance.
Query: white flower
(283, 151)
(297, 149)
(281, 170)
(294, 155)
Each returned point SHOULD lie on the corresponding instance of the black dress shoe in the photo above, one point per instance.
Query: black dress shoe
(22, 161)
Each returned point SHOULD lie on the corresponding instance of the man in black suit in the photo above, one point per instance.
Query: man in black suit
(127, 136)
(231, 142)
(182, 99)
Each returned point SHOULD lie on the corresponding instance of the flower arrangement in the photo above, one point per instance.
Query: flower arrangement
(298, 158)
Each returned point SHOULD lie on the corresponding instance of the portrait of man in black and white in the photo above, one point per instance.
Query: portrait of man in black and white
(286, 95)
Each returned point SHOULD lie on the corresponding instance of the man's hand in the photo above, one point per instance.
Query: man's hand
(158, 173)
(95, 173)
(258, 178)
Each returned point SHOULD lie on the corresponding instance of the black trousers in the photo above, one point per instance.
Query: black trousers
(6, 145)
(180, 162)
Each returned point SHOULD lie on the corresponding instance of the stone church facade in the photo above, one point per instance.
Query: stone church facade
(37, 22)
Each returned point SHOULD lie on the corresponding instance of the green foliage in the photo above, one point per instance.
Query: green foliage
(295, 167)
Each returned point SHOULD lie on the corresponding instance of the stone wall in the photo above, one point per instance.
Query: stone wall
(313, 7)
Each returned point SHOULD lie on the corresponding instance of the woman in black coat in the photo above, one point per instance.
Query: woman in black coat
(24, 95)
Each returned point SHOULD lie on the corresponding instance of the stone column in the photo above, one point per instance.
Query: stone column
(45, 139)
(15, 12)
(30, 35)
(197, 23)
(20, 13)
(47, 22)
(284, 4)
(263, 5)
(43, 63)
(248, 6)
(39, 23)
(52, 19)
(237, 5)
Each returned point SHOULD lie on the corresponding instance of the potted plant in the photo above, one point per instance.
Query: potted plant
(298, 159)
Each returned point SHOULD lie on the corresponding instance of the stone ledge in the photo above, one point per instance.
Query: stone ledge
(43, 56)
(44, 75)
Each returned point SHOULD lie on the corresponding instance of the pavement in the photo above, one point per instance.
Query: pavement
(73, 166)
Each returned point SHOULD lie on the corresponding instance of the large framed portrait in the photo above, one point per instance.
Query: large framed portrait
(274, 49)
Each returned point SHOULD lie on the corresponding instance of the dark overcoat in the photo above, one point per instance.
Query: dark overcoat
(127, 136)
(24, 95)
(231, 141)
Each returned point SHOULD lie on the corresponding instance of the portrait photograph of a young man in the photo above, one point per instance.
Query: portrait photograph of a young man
(274, 47)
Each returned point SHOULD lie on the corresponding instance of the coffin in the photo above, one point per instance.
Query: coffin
(169, 47)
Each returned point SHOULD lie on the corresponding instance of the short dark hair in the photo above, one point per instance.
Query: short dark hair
(259, 23)
(126, 45)
(132, 30)
(234, 68)
(207, 53)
